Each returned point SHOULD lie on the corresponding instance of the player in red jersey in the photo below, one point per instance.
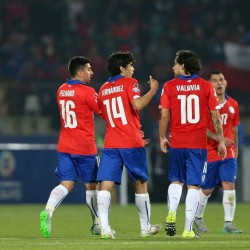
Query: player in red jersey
(120, 101)
(76, 152)
(185, 102)
(221, 172)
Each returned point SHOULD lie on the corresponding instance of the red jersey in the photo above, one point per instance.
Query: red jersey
(230, 118)
(123, 128)
(76, 102)
(188, 98)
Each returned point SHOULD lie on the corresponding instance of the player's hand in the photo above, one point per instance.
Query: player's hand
(154, 84)
(222, 150)
(142, 134)
(236, 150)
(228, 141)
(146, 142)
(164, 144)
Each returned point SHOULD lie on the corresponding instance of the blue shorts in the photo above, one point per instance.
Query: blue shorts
(218, 171)
(113, 160)
(73, 167)
(187, 165)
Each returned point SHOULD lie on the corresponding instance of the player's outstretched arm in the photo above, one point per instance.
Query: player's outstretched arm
(211, 135)
(163, 126)
(143, 101)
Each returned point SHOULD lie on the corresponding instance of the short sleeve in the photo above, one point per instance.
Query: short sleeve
(165, 102)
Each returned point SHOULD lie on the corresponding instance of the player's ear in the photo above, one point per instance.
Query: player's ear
(79, 72)
(122, 69)
(225, 83)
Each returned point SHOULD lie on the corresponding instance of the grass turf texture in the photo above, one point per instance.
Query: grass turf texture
(20, 229)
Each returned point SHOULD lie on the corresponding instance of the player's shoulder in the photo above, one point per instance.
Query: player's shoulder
(132, 79)
(206, 81)
(128, 80)
(232, 101)
(105, 85)
(62, 88)
(170, 83)
(203, 82)
(63, 85)
(76, 86)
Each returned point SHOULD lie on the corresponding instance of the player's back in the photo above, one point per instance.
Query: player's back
(122, 120)
(76, 103)
(189, 99)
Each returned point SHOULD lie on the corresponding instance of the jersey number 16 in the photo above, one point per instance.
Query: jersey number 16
(68, 115)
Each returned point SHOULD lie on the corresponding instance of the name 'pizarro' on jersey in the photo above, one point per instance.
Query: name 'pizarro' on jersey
(77, 101)
(230, 118)
(188, 98)
(122, 120)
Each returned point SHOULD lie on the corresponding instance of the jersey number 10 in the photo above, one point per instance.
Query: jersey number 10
(190, 109)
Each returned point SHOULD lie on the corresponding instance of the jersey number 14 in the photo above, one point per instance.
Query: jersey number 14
(113, 112)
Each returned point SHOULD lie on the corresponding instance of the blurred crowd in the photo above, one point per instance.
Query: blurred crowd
(38, 37)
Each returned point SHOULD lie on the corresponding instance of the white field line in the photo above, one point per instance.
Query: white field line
(6, 241)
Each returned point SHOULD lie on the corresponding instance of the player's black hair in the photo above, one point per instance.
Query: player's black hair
(214, 72)
(190, 60)
(76, 63)
(117, 60)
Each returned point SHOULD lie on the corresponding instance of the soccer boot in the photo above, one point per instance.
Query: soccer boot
(189, 235)
(45, 224)
(170, 224)
(96, 229)
(230, 228)
(200, 225)
(154, 229)
(105, 234)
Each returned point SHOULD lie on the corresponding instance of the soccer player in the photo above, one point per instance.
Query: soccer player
(120, 102)
(221, 172)
(77, 152)
(184, 104)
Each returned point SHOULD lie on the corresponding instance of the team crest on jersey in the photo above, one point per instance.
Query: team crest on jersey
(136, 88)
(231, 110)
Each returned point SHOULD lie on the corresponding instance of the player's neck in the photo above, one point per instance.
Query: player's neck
(221, 98)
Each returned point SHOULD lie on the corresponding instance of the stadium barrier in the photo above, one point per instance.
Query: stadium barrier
(245, 173)
(27, 176)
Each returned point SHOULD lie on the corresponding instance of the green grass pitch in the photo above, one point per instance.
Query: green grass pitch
(19, 229)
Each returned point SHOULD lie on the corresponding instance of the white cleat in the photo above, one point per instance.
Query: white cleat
(154, 229)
